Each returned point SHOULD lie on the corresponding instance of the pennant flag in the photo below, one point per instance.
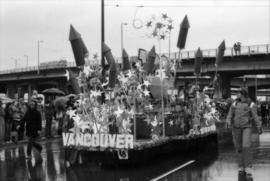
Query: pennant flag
(79, 49)
(150, 62)
(183, 33)
(112, 65)
(220, 53)
(125, 64)
(198, 62)
(74, 82)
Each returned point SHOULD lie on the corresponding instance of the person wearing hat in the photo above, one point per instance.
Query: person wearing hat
(32, 119)
(241, 118)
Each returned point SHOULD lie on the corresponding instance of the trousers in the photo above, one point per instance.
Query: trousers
(48, 126)
(243, 146)
(32, 143)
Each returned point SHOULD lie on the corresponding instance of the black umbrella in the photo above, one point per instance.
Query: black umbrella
(53, 91)
(79, 49)
(183, 33)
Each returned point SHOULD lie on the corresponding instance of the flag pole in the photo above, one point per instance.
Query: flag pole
(102, 53)
(161, 88)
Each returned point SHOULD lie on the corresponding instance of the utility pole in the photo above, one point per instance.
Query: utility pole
(38, 46)
(15, 61)
(26, 56)
(102, 34)
(122, 37)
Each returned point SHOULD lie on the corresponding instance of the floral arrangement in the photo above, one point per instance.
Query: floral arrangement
(205, 113)
(130, 96)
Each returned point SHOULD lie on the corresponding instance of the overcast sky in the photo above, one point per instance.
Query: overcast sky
(24, 22)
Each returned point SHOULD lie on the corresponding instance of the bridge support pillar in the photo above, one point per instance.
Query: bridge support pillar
(223, 86)
(252, 93)
(11, 90)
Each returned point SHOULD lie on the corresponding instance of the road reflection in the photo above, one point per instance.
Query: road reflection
(35, 170)
(221, 166)
(148, 171)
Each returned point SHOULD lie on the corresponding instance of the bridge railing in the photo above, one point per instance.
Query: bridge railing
(36, 68)
(245, 50)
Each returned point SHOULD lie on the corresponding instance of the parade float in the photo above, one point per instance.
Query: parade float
(134, 113)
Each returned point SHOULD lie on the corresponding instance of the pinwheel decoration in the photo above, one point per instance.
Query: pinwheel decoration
(160, 27)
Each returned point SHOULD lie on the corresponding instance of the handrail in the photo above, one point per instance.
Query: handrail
(229, 51)
(190, 54)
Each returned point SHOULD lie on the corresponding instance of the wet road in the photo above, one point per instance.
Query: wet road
(207, 167)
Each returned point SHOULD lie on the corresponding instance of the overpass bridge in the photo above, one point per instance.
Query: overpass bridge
(25, 80)
(253, 60)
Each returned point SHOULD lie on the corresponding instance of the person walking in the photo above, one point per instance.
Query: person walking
(22, 109)
(16, 117)
(2, 123)
(241, 118)
(49, 112)
(8, 122)
(32, 119)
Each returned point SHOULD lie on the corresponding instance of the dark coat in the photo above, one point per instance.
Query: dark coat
(32, 118)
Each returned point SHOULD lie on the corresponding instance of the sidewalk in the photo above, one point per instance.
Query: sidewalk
(22, 142)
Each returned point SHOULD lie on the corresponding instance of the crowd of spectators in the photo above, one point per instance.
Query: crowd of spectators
(13, 113)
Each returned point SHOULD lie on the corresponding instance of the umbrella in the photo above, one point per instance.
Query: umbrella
(79, 49)
(183, 33)
(198, 62)
(5, 99)
(220, 54)
(53, 91)
(126, 64)
(60, 103)
(71, 95)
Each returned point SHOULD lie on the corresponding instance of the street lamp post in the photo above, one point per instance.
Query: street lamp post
(38, 46)
(122, 35)
(15, 61)
(26, 56)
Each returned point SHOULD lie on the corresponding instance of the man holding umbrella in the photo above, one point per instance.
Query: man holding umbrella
(32, 119)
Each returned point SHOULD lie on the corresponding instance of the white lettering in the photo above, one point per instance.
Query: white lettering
(65, 138)
(112, 138)
(95, 140)
(71, 140)
(120, 140)
(103, 140)
(79, 139)
(87, 140)
(129, 141)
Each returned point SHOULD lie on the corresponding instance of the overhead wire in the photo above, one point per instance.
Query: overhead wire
(179, 3)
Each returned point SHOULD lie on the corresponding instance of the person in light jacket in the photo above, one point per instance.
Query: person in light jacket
(242, 117)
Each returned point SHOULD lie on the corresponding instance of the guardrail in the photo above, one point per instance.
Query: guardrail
(245, 50)
(36, 68)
